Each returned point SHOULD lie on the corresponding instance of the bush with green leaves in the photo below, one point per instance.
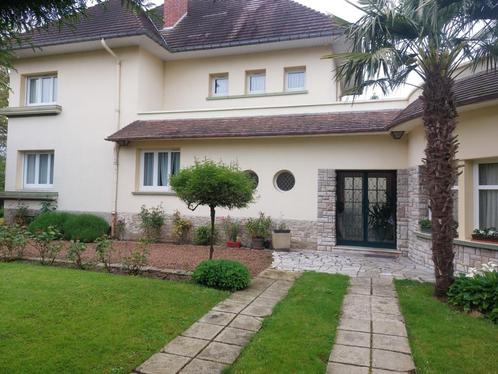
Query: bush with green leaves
(85, 227)
(75, 253)
(49, 219)
(151, 222)
(222, 274)
(214, 185)
(47, 244)
(202, 235)
(181, 228)
(103, 251)
(138, 258)
(477, 291)
(13, 240)
(259, 227)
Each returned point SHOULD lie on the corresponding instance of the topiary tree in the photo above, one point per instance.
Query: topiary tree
(214, 185)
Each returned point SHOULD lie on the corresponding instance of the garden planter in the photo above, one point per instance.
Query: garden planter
(231, 244)
(485, 238)
(281, 240)
(258, 243)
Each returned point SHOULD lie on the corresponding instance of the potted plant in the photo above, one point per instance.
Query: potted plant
(488, 235)
(232, 230)
(259, 229)
(425, 225)
(281, 237)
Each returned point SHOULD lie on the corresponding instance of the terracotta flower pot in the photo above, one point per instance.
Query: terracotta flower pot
(231, 244)
(258, 243)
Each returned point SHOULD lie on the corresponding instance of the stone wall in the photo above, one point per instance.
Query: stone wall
(402, 211)
(326, 239)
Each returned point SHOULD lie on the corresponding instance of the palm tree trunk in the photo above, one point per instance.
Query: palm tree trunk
(441, 169)
(211, 247)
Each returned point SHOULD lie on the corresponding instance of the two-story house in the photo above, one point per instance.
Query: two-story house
(102, 113)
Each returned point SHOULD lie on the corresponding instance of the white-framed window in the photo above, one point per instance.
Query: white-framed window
(156, 168)
(295, 79)
(41, 90)
(486, 195)
(219, 85)
(256, 82)
(38, 169)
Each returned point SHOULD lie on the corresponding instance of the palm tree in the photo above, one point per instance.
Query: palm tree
(437, 40)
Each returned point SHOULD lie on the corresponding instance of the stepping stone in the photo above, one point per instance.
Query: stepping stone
(220, 352)
(355, 338)
(389, 328)
(386, 317)
(230, 306)
(217, 318)
(163, 363)
(392, 360)
(258, 310)
(197, 366)
(279, 275)
(246, 323)
(260, 284)
(235, 336)
(203, 331)
(335, 368)
(361, 325)
(350, 355)
(185, 346)
(391, 343)
(380, 371)
(359, 290)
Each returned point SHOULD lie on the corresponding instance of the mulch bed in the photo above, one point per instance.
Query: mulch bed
(181, 257)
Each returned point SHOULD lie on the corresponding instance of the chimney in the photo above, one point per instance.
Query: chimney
(174, 10)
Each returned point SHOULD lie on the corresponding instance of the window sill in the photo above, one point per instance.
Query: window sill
(463, 242)
(245, 96)
(28, 195)
(31, 110)
(153, 193)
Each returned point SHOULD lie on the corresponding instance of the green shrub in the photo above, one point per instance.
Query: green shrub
(46, 243)
(103, 251)
(151, 222)
(181, 228)
(13, 240)
(138, 258)
(259, 227)
(477, 291)
(85, 227)
(75, 253)
(222, 274)
(49, 219)
(202, 235)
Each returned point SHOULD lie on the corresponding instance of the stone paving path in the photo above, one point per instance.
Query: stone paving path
(371, 337)
(354, 265)
(215, 341)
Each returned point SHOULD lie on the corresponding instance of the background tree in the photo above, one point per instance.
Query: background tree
(434, 39)
(213, 185)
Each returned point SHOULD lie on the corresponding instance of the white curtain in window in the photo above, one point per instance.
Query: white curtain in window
(488, 174)
(295, 80)
(32, 91)
(488, 209)
(47, 85)
(257, 83)
(51, 169)
(148, 169)
(221, 86)
(30, 169)
(162, 169)
(43, 169)
(175, 162)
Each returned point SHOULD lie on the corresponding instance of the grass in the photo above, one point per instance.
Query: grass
(444, 340)
(298, 337)
(56, 320)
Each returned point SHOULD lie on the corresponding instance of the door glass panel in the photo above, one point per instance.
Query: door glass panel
(381, 211)
(350, 209)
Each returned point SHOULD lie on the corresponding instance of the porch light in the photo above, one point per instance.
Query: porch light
(397, 135)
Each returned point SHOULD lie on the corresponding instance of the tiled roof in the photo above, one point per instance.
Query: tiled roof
(280, 125)
(473, 89)
(106, 20)
(208, 24)
(222, 23)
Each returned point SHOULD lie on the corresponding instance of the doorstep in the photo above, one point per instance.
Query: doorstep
(367, 251)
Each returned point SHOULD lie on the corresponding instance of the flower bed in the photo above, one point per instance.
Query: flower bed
(488, 235)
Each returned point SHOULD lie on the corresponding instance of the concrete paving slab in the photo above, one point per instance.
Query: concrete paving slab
(235, 336)
(220, 352)
(198, 366)
(336, 368)
(247, 323)
(203, 331)
(391, 343)
(163, 363)
(230, 306)
(354, 338)
(218, 318)
(345, 354)
(185, 346)
(392, 360)
(257, 310)
(396, 328)
(362, 325)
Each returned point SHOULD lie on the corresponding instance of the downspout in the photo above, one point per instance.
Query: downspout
(114, 214)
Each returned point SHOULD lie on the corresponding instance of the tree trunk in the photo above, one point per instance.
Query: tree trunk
(211, 248)
(441, 169)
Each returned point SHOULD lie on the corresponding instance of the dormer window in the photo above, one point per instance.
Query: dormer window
(41, 90)
(256, 82)
(219, 85)
(295, 79)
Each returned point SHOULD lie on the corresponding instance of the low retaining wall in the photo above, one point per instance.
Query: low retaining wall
(467, 253)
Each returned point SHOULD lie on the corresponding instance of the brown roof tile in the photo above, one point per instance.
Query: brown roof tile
(280, 125)
(473, 89)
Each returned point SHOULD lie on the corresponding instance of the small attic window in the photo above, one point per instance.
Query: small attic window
(219, 84)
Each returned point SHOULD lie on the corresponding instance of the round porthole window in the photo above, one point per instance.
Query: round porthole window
(284, 180)
(253, 176)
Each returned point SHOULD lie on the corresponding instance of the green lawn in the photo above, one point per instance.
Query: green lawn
(55, 320)
(444, 340)
(298, 337)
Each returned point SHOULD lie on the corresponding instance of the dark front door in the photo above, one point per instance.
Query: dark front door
(366, 208)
